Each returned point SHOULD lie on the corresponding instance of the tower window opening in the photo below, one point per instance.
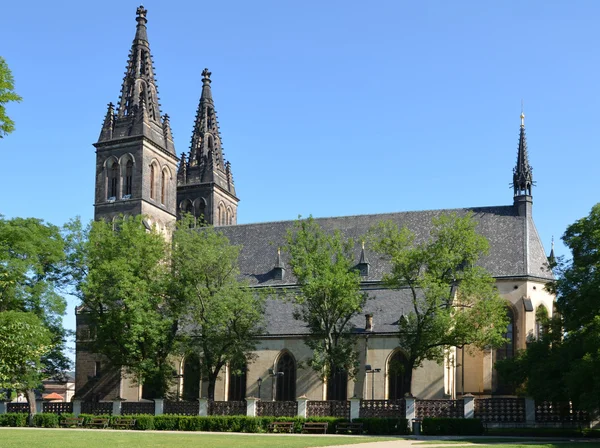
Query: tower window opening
(152, 178)
(113, 181)
(163, 188)
(128, 177)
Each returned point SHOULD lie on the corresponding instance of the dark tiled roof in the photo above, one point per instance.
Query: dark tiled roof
(515, 250)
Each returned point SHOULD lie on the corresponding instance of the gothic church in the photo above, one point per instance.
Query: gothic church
(138, 172)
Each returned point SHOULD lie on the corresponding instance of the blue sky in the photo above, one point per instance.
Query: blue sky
(326, 107)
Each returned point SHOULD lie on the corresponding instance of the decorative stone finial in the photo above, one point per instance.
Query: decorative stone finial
(206, 75)
(141, 13)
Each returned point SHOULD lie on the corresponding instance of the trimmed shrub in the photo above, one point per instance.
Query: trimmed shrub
(384, 426)
(14, 419)
(45, 420)
(452, 427)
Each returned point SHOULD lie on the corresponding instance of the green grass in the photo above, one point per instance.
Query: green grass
(93, 438)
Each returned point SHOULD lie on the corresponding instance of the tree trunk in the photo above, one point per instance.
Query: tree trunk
(30, 395)
(407, 378)
(212, 379)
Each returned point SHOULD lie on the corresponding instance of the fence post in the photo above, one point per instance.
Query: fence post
(159, 406)
(529, 410)
(251, 404)
(3, 407)
(117, 406)
(354, 408)
(302, 408)
(469, 405)
(76, 407)
(410, 409)
(203, 407)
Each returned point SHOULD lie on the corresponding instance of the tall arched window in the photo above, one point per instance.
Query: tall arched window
(128, 177)
(152, 181)
(541, 321)
(505, 352)
(237, 382)
(191, 378)
(508, 349)
(337, 385)
(113, 180)
(286, 383)
(200, 208)
(163, 187)
(398, 376)
(228, 216)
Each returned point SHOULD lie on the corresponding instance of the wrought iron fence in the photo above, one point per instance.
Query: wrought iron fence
(227, 408)
(96, 407)
(181, 407)
(548, 411)
(382, 408)
(332, 408)
(500, 409)
(58, 407)
(439, 408)
(137, 407)
(21, 408)
(277, 408)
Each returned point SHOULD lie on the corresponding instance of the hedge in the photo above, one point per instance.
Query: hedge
(452, 427)
(14, 419)
(384, 426)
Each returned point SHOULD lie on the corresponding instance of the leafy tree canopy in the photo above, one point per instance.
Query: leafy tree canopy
(7, 94)
(222, 316)
(329, 294)
(454, 300)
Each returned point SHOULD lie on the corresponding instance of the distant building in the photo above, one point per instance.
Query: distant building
(138, 172)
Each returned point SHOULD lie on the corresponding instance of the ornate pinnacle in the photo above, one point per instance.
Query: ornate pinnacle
(206, 74)
(141, 13)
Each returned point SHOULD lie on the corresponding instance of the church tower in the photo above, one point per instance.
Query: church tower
(523, 176)
(204, 181)
(136, 161)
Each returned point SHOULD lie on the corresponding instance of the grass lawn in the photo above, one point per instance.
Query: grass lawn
(93, 438)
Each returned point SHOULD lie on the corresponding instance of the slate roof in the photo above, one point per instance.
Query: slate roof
(515, 251)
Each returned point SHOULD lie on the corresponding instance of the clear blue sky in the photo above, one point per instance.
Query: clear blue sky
(326, 107)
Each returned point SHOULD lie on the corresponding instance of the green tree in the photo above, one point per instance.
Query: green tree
(454, 301)
(123, 276)
(564, 364)
(329, 295)
(24, 340)
(7, 94)
(31, 271)
(222, 315)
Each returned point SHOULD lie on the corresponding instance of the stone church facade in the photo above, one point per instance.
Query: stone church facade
(138, 172)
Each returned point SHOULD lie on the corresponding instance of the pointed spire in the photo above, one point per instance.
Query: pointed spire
(522, 173)
(552, 257)
(363, 263)
(139, 82)
(279, 269)
(206, 157)
(109, 124)
(138, 109)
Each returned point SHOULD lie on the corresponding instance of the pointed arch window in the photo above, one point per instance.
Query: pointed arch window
(152, 180)
(128, 177)
(337, 385)
(163, 187)
(113, 180)
(508, 349)
(286, 383)
(191, 378)
(237, 382)
(541, 321)
(398, 376)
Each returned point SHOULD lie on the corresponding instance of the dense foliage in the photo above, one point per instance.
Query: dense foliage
(329, 294)
(7, 94)
(564, 364)
(454, 300)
